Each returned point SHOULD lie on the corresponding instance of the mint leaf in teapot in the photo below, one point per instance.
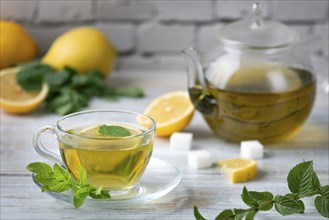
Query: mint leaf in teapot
(114, 131)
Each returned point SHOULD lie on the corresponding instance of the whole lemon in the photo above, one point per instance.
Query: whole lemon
(83, 48)
(16, 45)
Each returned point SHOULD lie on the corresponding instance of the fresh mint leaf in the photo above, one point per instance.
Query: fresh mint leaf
(322, 205)
(82, 175)
(105, 194)
(287, 206)
(99, 190)
(99, 193)
(114, 131)
(66, 101)
(31, 77)
(324, 191)
(61, 173)
(301, 203)
(197, 214)
(264, 200)
(314, 184)
(45, 180)
(247, 198)
(225, 215)
(30, 80)
(44, 174)
(62, 180)
(58, 80)
(39, 168)
(134, 92)
(322, 202)
(300, 178)
(251, 215)
(80, 196)
(240, 213)
(292, 196)
(59, 185)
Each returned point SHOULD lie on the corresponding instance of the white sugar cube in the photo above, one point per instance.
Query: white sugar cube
(199, 159)
(181, 141)
(252, 149)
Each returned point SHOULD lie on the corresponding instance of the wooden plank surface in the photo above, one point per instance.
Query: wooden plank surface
(208, 189)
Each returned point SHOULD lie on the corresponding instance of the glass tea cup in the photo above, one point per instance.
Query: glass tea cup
(94, 140)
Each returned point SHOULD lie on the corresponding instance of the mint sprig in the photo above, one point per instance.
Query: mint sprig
(57, 179)
(69, 90)
(302, 182)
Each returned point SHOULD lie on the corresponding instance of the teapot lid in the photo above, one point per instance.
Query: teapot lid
(257, 33)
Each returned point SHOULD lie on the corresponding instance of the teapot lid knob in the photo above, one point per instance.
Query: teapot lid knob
(257, 33)
(257, 18)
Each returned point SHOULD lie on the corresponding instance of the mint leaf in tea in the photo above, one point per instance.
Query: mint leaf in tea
(114, 131)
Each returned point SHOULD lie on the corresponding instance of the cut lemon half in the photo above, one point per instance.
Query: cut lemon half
(172, 112)
(13, 98)
(238, 170)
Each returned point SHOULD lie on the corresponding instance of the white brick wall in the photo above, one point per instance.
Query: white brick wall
(20, 10)
(152, 33)
(321, 32)
(122, 35)
(300, 10)
(207, 36)
(64, 11)
(124, 10)
(159, 62)
(185, 10)
(155, 37)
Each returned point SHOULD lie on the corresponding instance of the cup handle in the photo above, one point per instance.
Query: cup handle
(41, 149)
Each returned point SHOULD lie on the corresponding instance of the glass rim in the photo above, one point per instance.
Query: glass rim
(148, 131)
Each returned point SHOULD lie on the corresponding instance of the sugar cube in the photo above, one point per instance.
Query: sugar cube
(199, 159)
(251, 149)
(181, 141)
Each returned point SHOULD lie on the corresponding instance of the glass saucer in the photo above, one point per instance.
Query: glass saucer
(158, 180)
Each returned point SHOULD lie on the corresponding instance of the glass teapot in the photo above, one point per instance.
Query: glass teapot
(257, 85)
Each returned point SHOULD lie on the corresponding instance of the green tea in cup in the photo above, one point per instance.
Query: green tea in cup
(114, 147)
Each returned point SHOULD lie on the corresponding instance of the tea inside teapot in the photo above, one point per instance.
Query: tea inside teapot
(265, 102)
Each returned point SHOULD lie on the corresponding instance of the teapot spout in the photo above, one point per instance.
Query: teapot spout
(194, 68)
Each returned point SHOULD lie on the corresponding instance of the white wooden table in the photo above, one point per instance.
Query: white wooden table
(207, 189)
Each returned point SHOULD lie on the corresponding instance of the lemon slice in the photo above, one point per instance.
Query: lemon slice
(172, 112)
(238, 170)
(14, 99)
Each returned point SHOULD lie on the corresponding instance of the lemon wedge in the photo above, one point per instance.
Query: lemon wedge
(238, 170)
(172, 112)
(14, 99)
